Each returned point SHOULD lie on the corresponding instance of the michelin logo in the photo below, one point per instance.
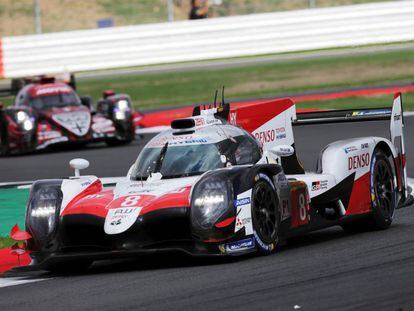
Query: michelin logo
(241, 202)
(240, 245)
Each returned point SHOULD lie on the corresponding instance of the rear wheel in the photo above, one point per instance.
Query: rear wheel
(383, 196)
(265, 215)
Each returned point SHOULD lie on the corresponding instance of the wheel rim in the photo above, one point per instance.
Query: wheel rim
(265, 213)
(384, 188)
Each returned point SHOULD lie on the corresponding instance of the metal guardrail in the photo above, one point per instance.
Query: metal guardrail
(226, 37)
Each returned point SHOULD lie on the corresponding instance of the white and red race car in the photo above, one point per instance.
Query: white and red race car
(48, 112)
(226, 181)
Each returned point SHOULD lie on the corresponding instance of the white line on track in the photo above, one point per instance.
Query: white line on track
(6, 282)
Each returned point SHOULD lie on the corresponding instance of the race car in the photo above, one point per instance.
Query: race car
(226, 181)
(48, 112)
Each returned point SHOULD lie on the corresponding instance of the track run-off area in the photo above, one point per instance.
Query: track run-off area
(325, 270)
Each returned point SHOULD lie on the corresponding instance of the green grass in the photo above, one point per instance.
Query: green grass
(166, 89)
(275, 79)
(12, 208)
(6, 242)
(360, 102)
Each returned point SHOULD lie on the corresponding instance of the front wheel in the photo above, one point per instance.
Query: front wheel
(265, 215)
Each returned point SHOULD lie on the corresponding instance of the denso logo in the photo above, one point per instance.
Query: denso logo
(266, 136)
(358, 161)
(271, 135)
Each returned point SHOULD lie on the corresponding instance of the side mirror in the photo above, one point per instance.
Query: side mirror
(87, 102)
(282, 150)
(78, 164)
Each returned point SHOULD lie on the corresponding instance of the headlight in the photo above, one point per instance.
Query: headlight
(211, 199)
(43, 209)
(121, 109)
(24, 120)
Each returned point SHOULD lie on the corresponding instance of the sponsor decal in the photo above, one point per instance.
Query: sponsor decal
(271, 135)
(266, 136)
(121, 219)
(350, 149)
(52, 90)
(242, 201)
(397, 117)
(188, 142)
(285, 210)
(199, 121)
(241, 222)
(370, 112)
(319, 185)
(262, 245)
(280, 133)
(239, 246)
(44, 135)
(364, 146)
(358, 161)
(233, 118)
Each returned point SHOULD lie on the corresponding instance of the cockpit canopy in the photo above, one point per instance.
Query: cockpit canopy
(46, 96)
(205, 149)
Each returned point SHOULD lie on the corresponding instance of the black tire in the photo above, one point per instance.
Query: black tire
(70, 267)
(384, 199)
(126, 138)
(383, 196)
(265, 215)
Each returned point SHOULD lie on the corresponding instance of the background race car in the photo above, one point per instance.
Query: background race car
(47, 111)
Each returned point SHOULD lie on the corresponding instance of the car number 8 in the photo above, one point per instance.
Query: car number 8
(131, 201)
(302, 207)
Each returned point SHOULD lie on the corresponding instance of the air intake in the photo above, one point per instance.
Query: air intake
(183, 124)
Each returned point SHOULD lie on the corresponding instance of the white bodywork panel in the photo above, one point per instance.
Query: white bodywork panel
(317, 183)
(74, 186)
(78, 122)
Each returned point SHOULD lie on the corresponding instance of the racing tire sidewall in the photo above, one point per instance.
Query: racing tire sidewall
(264, 245)
(380, 219)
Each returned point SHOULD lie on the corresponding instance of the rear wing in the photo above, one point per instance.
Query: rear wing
(393, 114)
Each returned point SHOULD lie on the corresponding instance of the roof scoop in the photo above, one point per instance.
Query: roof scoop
(183, 124)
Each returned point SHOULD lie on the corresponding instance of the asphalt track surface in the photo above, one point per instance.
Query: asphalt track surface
(325, 270)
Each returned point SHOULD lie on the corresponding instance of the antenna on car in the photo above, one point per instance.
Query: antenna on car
(215, 98)
(222, 97)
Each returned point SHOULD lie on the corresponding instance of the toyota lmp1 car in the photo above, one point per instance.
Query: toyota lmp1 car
(47, 112)
(226, 181)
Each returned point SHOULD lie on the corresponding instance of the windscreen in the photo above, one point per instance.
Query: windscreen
(54, 100)
(177, 161)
